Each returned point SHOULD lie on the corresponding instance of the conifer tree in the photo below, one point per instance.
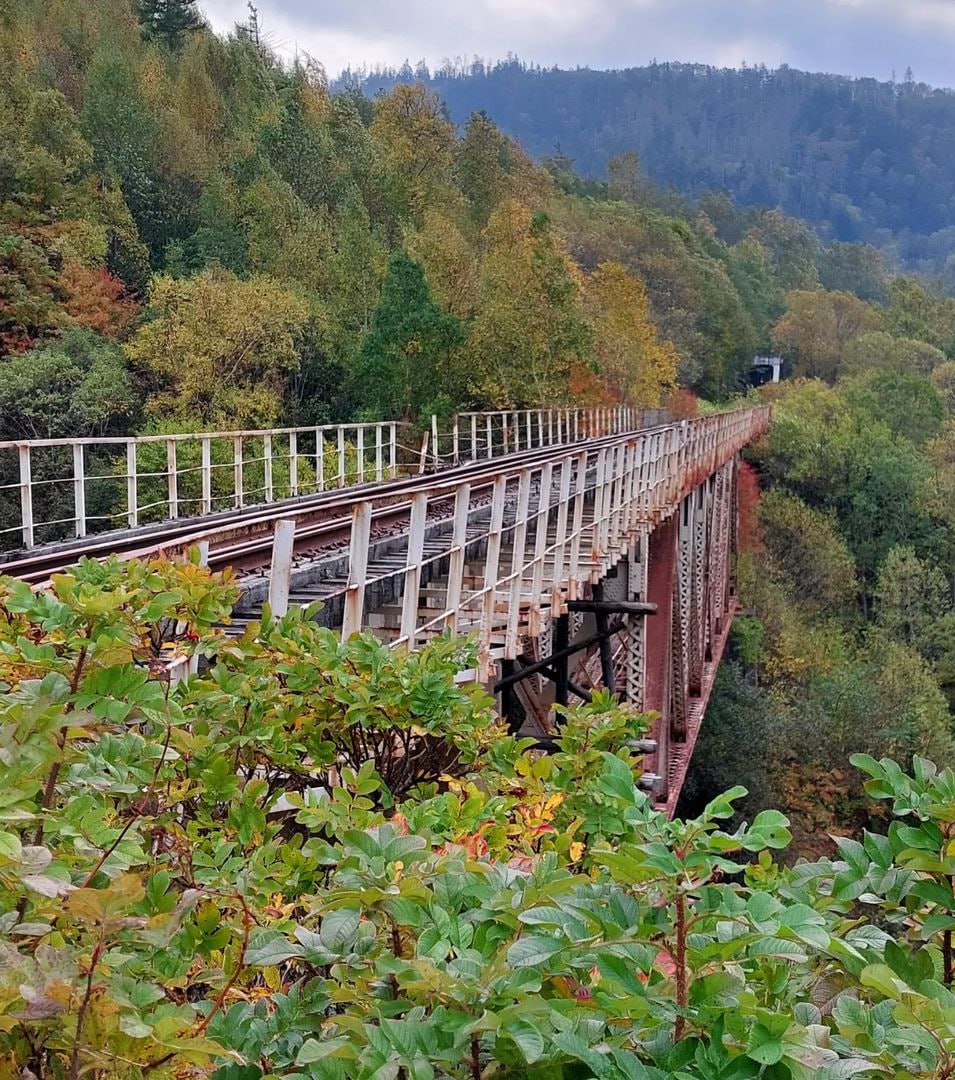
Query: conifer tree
(169, 20)
(402, 367)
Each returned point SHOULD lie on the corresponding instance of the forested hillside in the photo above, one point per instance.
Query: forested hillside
(194, 234)
(862, 160)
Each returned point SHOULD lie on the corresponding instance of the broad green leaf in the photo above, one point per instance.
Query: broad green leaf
(268, 948)
(534, 949)
(881, 977)
(313, 1050)
(339, 927)
(10, 846)
(529, 1040)
(765, 1047)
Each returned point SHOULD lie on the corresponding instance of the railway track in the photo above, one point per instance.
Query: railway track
(242, 539)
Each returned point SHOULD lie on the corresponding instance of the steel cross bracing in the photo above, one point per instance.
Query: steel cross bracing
(550, 557)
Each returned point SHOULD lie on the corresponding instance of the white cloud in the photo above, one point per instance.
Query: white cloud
(872, 37)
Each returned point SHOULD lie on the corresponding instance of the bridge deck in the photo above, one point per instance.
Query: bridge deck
(512, 551)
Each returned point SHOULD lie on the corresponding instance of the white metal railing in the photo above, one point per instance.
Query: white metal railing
(472, 436)
(56, 488)
(546, 531)
(50, 488)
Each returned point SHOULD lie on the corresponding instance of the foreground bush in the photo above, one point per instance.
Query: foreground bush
(327, 861)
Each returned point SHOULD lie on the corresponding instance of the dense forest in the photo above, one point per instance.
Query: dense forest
(847, 638)
(862, 160)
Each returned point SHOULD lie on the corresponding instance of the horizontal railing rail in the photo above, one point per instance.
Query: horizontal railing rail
(54, 488)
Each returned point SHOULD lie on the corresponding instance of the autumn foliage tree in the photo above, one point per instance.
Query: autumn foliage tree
(531, 328)
(97, 300)
(816, 329)
(219, 350)
(635, 365)
(417, 144)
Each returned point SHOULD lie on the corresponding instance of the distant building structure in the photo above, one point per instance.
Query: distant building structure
(766, 369)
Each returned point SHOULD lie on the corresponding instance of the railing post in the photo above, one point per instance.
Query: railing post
(435, 449)
(172, 479)
(456, 441)
(203, 549)
(474, 448)
(379, 456)
(601, 502)
(267, 467)
(393, 459)
(490, 437)
(293, 463)
(618, 459)
(79, 490)
(560, 546)
(132, 497)
(237, 464)
(360, 450)
(462, 504)
(540, 546)
(341, 456)
(26, 494)
(492, 561)
(206, 454)
(518, 546)
(580, 496)
(357, 570)
(319, 459)
(412, 583)
(280, 574)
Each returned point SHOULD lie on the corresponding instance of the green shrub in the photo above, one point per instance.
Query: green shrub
(325, 860)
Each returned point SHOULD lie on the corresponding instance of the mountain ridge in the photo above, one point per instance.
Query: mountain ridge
(863, 160)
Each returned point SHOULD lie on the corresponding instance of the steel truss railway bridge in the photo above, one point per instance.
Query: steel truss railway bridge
(581, 548)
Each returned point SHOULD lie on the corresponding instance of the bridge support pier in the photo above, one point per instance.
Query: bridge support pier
(677, 571)
(689, 578)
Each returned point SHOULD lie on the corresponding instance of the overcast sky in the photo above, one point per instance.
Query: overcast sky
(853, 37)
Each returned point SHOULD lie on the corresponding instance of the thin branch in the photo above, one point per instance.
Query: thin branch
(138, 811)
(240, 966)
(81, 1015)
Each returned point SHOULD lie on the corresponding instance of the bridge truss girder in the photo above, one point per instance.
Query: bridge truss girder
(652, 630)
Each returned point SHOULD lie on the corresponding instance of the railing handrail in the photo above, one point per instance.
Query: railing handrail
(183, 436)
(263, 464)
